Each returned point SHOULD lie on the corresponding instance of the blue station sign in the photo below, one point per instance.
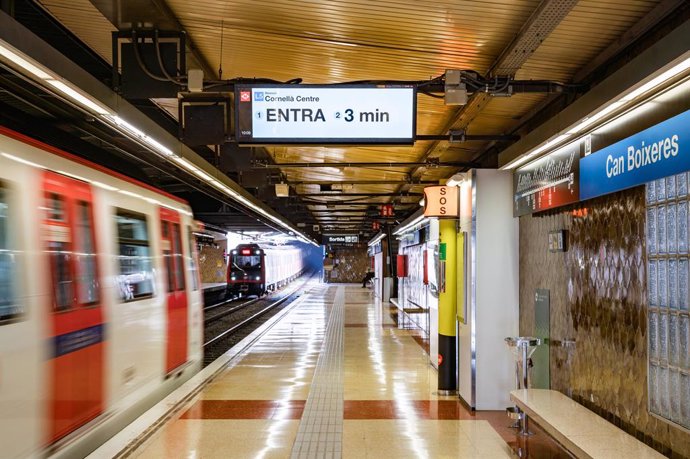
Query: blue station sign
(659, 151)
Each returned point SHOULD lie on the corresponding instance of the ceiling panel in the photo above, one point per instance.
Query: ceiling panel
(334, 41)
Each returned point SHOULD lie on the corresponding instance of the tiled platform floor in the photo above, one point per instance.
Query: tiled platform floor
(336, 378)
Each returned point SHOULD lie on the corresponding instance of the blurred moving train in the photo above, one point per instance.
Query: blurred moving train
(254, 269)
(100, 307)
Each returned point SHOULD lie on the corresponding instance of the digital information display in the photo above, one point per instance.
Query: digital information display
(308, 114)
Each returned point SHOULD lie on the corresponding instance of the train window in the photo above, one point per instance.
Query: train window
(179, 261)
(59, 247)
(246, 261)
(192, 259)
(9, 306)
(135, 280)
(56, 207)
(167, 257)
(87, 277)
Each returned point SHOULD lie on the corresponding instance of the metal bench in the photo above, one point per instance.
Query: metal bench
(581, 431)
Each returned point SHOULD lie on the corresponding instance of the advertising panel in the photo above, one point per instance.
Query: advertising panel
(310, 114)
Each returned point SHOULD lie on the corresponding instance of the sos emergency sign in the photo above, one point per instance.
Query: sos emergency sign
(441, 201)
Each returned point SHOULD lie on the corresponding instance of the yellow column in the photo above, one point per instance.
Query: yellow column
(447, 307)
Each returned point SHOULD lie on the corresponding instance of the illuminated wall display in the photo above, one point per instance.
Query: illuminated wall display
(551, 181)
(305, 114)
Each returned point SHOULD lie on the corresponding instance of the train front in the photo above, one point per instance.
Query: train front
(246, 270)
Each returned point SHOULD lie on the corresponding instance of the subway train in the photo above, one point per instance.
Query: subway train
(100, 301)
(254, 269)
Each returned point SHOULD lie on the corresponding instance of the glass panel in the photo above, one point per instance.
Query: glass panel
(663, 336)
(671, 187)
(683, 284)
(651, 192)
(660, 186)
(671, 228)
(179, 262)
(56, 208)
(664, 407)
(651, 230)
(653, 335)
(682, 184)
(685, 399)
(673, 356)
(192, 259)
(661, 229)
(651, 284)
(662, 285)
(682, 222)
(9, 307)
(167, 257)
(673, 283)
(674, 395)
(684, 342)
(654, 389)
(87, 278)
(59, 254)
(135, 280)
(246, 261)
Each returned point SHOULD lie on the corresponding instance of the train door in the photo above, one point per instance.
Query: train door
(77, 328)
(176, 296)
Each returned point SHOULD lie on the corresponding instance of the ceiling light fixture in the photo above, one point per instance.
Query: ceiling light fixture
(633, 94)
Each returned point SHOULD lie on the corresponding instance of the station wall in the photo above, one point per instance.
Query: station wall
(598, 294)
(212, 263)
(350, 264)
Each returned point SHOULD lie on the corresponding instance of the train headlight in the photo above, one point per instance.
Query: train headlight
(258, 277)
(232, 278)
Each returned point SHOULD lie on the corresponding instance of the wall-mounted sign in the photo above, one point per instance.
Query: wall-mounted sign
(304, 114)
(657, 152)
(386, 210)
(441, 201)
(558, 241)
(340, 239)
(549, 182)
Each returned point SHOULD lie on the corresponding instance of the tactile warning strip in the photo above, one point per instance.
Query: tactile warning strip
(321, 428)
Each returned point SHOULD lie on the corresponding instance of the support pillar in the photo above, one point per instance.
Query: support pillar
(447, 307)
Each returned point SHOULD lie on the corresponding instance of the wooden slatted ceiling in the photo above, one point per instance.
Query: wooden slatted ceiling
(329, 41)
(86, 22)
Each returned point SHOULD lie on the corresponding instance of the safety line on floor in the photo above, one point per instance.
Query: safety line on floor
(321, 427)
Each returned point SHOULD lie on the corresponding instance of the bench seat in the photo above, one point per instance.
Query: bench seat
(581, 431)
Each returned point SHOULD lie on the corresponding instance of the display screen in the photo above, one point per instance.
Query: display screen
(307, 114)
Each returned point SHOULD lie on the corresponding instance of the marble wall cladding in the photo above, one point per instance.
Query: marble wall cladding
(598, 292)
(350, 264)
(212, 264)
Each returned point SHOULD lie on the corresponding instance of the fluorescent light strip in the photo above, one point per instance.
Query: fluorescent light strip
(611, 107)
(78, 97)
(75, 95)
(376, 240)
(413, 223)
(14, 58)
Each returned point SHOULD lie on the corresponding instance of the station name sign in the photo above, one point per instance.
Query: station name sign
(660, 151)
(311, 114)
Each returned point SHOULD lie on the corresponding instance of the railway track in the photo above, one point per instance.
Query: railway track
(231, 321)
